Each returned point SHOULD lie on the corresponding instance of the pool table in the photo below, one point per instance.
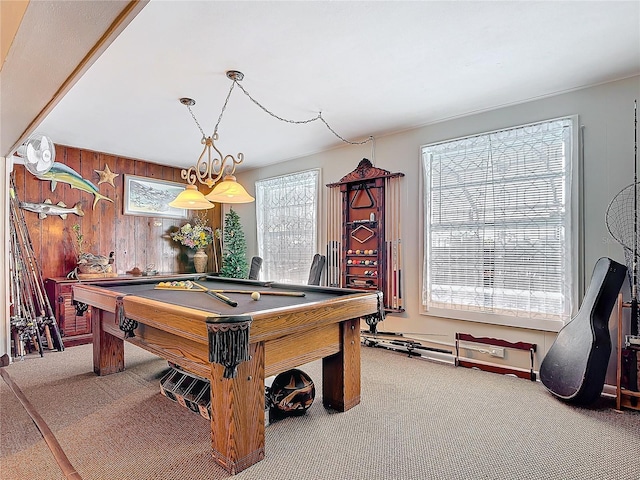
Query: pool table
(235, 347)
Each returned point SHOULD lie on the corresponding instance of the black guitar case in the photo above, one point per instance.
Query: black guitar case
(574, 369)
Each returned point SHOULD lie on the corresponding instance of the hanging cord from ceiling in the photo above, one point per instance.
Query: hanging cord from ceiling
(237, 76)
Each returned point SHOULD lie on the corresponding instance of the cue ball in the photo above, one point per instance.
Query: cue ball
(255, 296)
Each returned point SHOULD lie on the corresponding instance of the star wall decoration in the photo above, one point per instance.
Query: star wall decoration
(106, 175)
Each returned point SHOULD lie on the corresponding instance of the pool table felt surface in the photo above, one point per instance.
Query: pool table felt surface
(196, 298)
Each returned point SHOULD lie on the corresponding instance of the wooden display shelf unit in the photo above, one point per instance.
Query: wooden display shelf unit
(370, 250)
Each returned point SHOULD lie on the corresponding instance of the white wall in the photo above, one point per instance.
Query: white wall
(605, 111)
(607, 114)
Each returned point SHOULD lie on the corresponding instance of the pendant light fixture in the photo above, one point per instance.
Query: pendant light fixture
(210, 170)
(212, 167)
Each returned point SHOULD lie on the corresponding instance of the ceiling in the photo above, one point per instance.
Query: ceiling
(372, 68)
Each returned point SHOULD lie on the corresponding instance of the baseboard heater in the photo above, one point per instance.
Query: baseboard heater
(492, 367)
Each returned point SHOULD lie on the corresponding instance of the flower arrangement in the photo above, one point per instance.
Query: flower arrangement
(197, 236)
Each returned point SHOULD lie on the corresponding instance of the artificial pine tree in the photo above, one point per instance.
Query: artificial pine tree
(234, 248)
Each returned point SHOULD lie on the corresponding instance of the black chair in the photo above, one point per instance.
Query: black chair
(317, 265)
(256, 265)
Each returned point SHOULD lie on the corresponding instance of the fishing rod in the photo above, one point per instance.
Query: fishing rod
(23, 320)
(635, 318)
(30, 316)
(635, 328)
(16, 319)
(35, 281)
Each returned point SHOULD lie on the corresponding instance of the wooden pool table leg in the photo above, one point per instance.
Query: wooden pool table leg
(108, 350)
(237, 413)
(341, 371)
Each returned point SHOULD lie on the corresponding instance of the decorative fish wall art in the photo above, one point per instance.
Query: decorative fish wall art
(62, 173)
(47, 208)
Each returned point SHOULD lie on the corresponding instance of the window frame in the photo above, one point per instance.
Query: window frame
(576, 242)
(316, 206)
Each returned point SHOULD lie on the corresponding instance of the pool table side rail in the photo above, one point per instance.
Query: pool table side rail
(179, 334)
(271, 324)
(267, 324)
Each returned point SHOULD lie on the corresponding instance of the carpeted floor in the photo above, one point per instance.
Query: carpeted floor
(417, 420)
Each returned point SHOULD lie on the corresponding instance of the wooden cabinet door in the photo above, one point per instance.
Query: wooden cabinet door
(75, 328)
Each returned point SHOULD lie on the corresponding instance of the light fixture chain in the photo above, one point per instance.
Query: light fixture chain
(273, 114)
(298, 122)
(196, 120)
(343, 139)
(215, 130)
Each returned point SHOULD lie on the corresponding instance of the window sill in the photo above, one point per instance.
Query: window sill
(547, 325)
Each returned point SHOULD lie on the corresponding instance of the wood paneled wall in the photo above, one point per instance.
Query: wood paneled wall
(137, 241)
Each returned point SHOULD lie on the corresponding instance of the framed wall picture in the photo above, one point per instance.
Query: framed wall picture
(150, 197)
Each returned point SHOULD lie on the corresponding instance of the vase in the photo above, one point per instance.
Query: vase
(200, 261)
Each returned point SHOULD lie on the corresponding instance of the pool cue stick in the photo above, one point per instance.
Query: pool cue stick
(339, 219)
(394, 252)
(222, 297)
(215, 257)
(262, 292)
(394, 211)
(398, 209)
(219, 296)
(333, 266)
(387, 268)
(400, 300)
(395, 249)
(388, 281)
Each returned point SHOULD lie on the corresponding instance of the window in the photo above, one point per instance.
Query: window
(286, 213)
(497, 223)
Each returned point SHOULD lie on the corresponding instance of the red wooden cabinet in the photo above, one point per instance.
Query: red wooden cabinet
(75, 327)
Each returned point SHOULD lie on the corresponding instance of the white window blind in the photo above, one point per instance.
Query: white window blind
(498, 222)
(286, 213)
